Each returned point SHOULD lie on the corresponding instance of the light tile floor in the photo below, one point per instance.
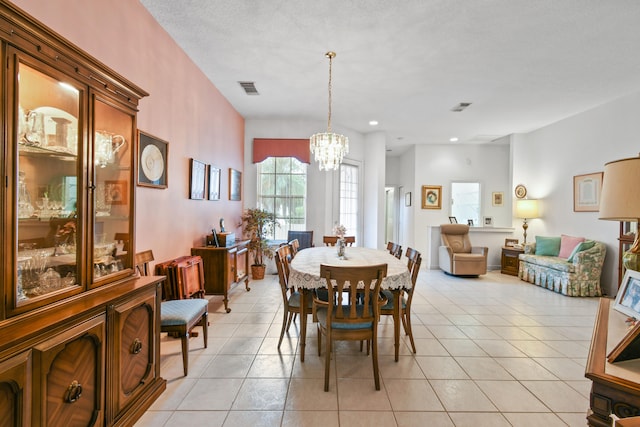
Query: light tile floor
(492, 351)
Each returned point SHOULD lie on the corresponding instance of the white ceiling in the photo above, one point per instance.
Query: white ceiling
(523, 64)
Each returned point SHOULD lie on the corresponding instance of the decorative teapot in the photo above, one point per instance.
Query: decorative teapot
(107, 145)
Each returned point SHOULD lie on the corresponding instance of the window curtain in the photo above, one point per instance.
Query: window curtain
(273, 147)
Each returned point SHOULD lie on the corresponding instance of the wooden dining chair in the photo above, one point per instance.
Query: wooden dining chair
(352, 313)
(290, 297)
(178, 316)
(350, 240)
(406, 296)
(330, 240)
(394, 249)
(295, 246)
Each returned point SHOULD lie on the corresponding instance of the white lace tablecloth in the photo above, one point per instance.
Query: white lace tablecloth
(305, 267)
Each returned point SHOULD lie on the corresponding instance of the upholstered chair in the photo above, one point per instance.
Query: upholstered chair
(457, 256)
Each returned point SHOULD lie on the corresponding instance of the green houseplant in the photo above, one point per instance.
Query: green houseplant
(257, 224)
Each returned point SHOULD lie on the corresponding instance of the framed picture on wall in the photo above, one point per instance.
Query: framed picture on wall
(197, 181)
(153, 155)
(586, 192)
(432, 197)
(214, 183)
(235, 185)
(496, 198)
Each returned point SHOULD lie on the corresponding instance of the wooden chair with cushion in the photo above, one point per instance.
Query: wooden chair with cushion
(178, 316)
(295, 246)
(352, 312)
(333, 240)
(305, 238)
(290, 297)
(394, 249)
(414, 261)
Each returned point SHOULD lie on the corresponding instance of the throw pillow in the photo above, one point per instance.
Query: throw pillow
(568, 244)
(587, 244)
(549, 246)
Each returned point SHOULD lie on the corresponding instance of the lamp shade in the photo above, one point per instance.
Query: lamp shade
(620, 197)
(527, 208)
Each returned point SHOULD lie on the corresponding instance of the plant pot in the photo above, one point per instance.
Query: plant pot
(257, 272)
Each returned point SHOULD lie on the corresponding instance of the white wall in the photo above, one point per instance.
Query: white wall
(546, 160)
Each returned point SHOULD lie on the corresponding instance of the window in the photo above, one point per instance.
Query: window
(349, 190)
(282, 189)
(465, 202)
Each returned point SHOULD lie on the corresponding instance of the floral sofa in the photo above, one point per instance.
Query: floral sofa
(575, 275)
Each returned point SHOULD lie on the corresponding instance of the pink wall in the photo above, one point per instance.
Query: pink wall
(184, 108)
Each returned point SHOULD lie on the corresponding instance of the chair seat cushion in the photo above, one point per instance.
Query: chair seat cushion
(322, 319)
(181, 311)
(390, 300)
(462, 257)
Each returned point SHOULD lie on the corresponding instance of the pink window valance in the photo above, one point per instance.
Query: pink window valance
(275, 147)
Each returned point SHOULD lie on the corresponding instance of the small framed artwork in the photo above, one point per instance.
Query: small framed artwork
(470, 222)
(407, 199)
(153, 155)
(116, 192)
(431, 197)
(628, 298)
(586, 192)
(214, 238)
(235, 185)
(488, 221)
(453, 220)
(214, 183)
(496, 198)
(197, 181)
(628, 348)
(510, 243)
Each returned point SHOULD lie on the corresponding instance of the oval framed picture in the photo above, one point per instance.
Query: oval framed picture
(521, 191)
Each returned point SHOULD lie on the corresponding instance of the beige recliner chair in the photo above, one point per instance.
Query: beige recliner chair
(456, 255)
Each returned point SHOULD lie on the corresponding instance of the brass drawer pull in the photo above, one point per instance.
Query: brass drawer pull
(136, 347)
(74, 391)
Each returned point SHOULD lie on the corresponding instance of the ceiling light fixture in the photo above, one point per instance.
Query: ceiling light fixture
(454, 139)
(373, 123)
(329, 148)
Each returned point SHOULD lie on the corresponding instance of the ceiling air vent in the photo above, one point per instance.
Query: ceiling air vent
(460, 107)
(249, 88)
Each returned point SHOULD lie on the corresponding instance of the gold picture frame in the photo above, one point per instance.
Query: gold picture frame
(586, 192)
(432, 197)
(497, 198)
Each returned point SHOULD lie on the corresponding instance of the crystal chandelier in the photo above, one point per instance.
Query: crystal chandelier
(329, 148)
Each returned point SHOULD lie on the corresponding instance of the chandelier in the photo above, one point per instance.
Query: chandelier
(329, 148)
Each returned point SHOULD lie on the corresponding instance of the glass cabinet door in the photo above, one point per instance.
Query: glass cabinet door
(46, 184)
(113, 148)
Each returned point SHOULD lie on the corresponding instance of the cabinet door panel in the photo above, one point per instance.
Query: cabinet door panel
(15, 391)
(70, 369)
(134, 339)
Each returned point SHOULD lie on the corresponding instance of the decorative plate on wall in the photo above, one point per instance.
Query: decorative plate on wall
(521, 191)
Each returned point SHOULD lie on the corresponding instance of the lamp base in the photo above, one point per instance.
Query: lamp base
(631, 261)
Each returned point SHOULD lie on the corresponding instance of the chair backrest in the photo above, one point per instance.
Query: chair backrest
(330, 240)
(295, 246)
(394, 249)
(456, 236)
(305, 238)
(360, 286)
(414, 264)
(282, 258)
(349, 240)
(142, 260)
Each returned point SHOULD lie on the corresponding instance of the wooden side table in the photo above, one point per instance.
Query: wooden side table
(510, 260)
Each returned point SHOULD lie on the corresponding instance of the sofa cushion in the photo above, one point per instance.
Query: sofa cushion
(568, 244)
(583, 246)
(549, 246)
(553, 262)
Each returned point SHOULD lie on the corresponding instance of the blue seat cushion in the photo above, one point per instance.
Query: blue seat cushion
(322, 319)
(181, 311)
(389, 296)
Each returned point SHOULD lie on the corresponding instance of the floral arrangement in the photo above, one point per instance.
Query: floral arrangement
(339, 230)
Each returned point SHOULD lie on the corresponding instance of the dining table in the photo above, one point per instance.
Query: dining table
(304, 275)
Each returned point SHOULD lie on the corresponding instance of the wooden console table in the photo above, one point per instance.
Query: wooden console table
(224, 267)
(615, 387)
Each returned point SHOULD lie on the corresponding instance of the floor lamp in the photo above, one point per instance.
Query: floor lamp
(620, 200)
(526, 209)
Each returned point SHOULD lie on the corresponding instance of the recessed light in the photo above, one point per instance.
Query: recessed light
(454, 139)
(373, 122)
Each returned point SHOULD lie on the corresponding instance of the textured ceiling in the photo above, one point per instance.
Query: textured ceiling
(522, 64)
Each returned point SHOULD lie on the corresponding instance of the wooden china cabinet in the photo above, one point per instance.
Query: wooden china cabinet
(79, 330)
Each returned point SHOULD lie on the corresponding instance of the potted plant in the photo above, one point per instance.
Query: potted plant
(256, 225)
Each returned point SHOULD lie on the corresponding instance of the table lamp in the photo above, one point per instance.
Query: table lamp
(620, 200)
(526, 209)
